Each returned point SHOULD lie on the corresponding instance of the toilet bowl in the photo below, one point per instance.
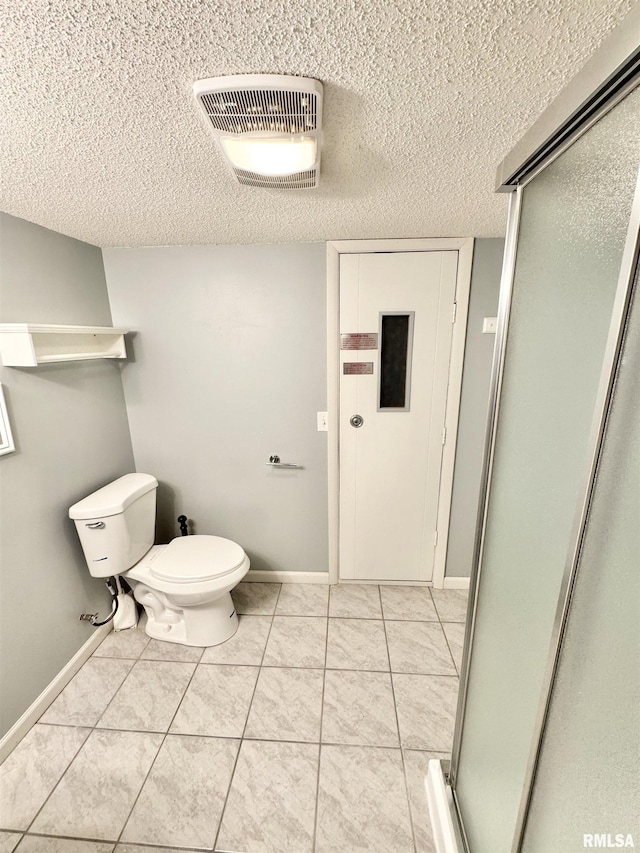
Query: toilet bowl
(184, 586)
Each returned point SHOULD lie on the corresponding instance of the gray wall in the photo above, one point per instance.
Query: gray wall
(229, 366)
(71, 433)
(478, 354)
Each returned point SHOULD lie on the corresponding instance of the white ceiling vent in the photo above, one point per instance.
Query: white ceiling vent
(268, 127)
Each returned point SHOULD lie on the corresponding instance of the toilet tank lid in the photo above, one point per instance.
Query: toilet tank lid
(113, 498)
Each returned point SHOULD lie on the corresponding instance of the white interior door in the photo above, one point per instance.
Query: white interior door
(400, 306)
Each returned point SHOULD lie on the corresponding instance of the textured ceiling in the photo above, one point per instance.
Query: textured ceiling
(101, 138)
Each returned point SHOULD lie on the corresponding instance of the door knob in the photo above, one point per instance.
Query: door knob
(356, 421)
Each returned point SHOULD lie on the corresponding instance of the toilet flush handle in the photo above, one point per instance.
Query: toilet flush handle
(95, 525)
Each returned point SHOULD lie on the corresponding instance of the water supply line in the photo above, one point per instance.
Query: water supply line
(112, 586)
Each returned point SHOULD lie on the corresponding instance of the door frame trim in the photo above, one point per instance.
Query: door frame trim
(464, 247)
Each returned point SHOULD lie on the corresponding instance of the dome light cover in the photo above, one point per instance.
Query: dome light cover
(268, 127)
(276, 156)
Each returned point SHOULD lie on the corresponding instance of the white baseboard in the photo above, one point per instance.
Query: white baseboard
(362, 582)
(262, 576)
(444, 834)
(33, 713)
(456, 583)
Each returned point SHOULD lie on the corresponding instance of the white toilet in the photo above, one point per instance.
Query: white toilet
(183, 586)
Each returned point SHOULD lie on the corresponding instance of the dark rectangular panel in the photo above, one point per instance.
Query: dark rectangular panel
(394, 360)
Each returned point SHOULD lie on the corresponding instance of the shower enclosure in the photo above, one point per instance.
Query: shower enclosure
(546, 751)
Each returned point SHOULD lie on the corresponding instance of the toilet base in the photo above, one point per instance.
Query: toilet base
(200, 625)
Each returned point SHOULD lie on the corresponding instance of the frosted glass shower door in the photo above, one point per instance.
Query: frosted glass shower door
(597, 687)
(573, 226)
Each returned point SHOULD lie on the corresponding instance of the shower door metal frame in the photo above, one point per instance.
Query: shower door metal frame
(603, 81)
(504, 308)
(611, 74)
(611, 361)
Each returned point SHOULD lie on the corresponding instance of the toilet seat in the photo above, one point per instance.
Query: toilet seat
(194, 559)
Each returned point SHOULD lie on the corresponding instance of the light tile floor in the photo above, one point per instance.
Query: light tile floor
(310, 730)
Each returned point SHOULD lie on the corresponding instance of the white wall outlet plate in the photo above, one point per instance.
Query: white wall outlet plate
(323, 423)
(489, 325)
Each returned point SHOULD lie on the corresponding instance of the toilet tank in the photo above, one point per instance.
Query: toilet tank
(116, 524)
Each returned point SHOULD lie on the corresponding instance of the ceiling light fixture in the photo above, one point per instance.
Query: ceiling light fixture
(270, 155)
(268, 127)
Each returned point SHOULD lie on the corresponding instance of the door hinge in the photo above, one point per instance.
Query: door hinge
(454, 312)
(435, 538)
(444, 435)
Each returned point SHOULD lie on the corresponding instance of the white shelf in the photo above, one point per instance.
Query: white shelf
(29, 344)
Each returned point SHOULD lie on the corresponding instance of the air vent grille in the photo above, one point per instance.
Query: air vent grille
(277, 106)
(299, 181)
(253, 110)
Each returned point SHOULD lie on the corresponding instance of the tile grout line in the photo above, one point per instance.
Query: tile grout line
(242, 737)
(155, 758)
(48, 797)
(198, 663)
(92, 729)
(91, 726)
(280, 616)
(314, 840)
(446, 639)
(95, 726)
(166, 734)
(141, 731)
(147, 731)
(91, 840)
(266, 740)
(264, 666)
(142, 844)
(395, 708)
(255, 737)
(455, 663)
(121, 685)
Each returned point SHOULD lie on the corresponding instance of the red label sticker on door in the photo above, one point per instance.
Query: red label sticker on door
(359, 340)
(357, 368)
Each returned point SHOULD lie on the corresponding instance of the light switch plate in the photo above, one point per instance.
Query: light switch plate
(322, 422)
(489, 325)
